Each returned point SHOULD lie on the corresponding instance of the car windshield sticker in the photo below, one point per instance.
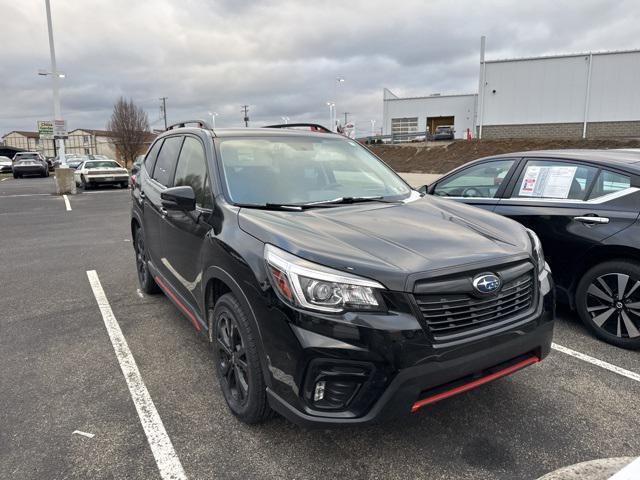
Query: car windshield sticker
(547, 182)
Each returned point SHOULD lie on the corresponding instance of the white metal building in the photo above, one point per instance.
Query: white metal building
(585, 95)
(590, 94)
(406, 115)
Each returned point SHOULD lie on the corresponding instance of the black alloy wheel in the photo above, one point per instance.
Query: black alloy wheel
(609, 302)
(147, 283)
(232, 359)
(237, 363)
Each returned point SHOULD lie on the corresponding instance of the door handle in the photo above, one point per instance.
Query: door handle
(594, 219)
(163, 211)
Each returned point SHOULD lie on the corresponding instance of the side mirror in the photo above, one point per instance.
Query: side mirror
(179, 198)
(424, 189)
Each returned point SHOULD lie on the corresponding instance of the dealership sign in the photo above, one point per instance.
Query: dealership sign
(60, 128)
(45, 129)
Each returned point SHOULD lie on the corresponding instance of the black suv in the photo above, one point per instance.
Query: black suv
(331, 291)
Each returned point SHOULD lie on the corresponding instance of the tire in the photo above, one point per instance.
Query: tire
(611, 315)
(83, 183)
(15, 175)
(124, 185)
(237, 363)
(146, 281)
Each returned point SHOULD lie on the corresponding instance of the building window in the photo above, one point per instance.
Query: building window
(86, 139)
(404, 125)
(87, 151)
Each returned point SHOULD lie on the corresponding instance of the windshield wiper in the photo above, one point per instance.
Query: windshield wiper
(347, 200)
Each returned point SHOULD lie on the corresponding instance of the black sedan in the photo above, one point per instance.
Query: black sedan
(584, 205)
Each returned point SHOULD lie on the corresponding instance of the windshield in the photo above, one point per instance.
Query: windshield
(26, 156)
(294, 170)
(105, 164)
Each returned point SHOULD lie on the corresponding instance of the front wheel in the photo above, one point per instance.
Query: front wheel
(237, 362)
(147, 283)
(608, 302)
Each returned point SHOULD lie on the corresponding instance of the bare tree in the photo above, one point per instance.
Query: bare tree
(129, 125)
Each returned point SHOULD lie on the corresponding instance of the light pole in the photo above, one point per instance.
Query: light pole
(373, 128)
(213, 119)
(339, 81)
(332, 107)
(55, 75)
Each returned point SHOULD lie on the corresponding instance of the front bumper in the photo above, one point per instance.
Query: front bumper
(6, 168)
(402, 369)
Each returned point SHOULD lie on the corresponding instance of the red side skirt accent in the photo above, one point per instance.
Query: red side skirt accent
(177, 301)
(475, 383)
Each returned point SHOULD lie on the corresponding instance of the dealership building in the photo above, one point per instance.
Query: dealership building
(586, 95)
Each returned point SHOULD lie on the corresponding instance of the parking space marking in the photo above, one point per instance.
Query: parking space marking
(166, 458)
(26, 195)
(6, 178)
(66, 203)
(597, 362)
(630, 472)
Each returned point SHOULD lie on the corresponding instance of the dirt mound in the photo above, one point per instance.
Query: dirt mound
(440, 158)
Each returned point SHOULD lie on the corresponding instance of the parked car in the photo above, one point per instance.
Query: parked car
(5, 164)
(91, 173)
(331, 291)
(29, 163)
(444, 132)
(584, 206)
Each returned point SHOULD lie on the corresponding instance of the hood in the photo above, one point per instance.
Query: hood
(389, 242)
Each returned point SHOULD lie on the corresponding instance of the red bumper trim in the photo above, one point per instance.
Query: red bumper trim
(177, 301)
(475, 383)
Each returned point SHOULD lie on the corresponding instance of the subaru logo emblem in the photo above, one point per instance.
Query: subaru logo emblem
(487, 283)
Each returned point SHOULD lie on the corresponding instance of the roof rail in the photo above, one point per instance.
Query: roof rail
(200, 123)
(313, 126)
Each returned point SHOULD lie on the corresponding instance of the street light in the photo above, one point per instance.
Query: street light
(373, 127)
(56, 76)
(213, 119)
(332, 107)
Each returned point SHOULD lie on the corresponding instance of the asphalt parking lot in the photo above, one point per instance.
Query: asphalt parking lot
(59, 374)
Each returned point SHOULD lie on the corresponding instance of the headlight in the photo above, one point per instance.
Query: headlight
(536, 246)
(308, 285)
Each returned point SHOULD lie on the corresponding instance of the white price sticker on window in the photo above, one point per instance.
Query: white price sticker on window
(547, 182)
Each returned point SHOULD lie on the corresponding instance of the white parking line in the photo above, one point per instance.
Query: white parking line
(26, 195)
(6, 178)
(160, 443)
(66, 203)
(630, 472)
(595, 361)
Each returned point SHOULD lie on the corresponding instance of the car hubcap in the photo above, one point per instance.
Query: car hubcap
(232, 363)
(141, 263)
(613, 301)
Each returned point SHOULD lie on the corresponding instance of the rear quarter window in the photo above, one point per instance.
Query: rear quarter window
(152, 156)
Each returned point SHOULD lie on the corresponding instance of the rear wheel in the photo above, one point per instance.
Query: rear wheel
(147, 283)
(237, 362)
(608, 302)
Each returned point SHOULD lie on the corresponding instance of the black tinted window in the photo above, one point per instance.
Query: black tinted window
(167, 158)
(192, 171)
(477, 181)
(152, 156)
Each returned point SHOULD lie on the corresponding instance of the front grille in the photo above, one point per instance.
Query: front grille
(452, 315)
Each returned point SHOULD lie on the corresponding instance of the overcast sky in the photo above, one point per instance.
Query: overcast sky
(280, 57)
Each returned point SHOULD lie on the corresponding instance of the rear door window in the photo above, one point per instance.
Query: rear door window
(609, 182)
(554, 179)
(167, 159)
(478, 181)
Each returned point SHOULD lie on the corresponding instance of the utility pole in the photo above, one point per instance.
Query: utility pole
(57, 111)
(164, 110)
(245, 109)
